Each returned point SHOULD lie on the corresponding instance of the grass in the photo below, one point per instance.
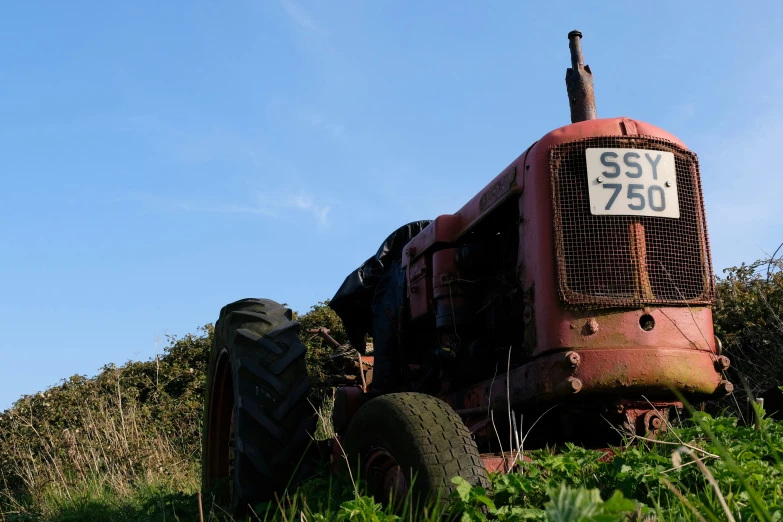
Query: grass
(706, 469)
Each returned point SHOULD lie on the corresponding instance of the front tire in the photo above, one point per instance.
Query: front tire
(257, 419)
(398, 436)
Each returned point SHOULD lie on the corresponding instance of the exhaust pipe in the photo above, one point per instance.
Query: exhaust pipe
(579, 82)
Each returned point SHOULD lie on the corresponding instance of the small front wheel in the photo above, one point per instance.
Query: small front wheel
(411, 443)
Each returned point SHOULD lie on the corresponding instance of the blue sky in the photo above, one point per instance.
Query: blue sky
(161, 159)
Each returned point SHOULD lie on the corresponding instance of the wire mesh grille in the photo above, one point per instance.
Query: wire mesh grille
(605, 261)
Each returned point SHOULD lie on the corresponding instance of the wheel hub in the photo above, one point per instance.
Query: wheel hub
(384, 476)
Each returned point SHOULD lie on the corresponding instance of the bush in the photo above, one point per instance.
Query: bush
(131, 428)
(748, 318)
(133, 424)
(320, 316)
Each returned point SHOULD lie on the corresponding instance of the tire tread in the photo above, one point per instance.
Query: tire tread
(273, 426)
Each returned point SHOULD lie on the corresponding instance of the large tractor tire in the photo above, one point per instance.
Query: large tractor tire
(398, 437)
(257, 419)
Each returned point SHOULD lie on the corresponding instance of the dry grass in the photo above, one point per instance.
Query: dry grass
(111, 447)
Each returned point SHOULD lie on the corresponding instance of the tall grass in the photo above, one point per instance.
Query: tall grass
(110, 451)
(112, 440)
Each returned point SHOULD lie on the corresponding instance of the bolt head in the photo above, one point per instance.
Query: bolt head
(600, 179)
(591, 326)
(668, 183)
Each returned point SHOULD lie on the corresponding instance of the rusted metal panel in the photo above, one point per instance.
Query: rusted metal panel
(672, 327)
(443, 229)
(450, 299)
(628, 371)
(450, 227)
(495, 464)
(347, 401)
(628, 127)
(553, 328)
(503, 462)
(419, 286)
(368, 362)
(641, 273)
(496, 190)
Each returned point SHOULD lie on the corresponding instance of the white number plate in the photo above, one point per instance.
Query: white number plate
(632, 182)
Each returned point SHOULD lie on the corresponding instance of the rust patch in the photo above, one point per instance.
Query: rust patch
(590, 327)
(500, 187)
(612, 373)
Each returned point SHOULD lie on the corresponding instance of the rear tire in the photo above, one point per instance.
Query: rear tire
(419, 435)
(257, 419)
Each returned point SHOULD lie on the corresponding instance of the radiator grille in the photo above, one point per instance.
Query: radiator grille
(628, 261)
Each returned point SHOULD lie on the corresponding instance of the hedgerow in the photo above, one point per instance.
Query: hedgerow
(748, 316)
(125, 444)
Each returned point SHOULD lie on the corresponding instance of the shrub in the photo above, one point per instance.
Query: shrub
(748, 318)
(136, 423)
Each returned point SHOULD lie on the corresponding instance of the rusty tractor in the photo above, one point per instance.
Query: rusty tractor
(574, 290)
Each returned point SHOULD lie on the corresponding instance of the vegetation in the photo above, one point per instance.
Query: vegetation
(130, 435)
(748, 318)
(125, 444)
(319, 316)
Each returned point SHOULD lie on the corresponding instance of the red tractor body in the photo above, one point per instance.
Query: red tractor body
(566, 257)
(583, 270)
(579, 278)
(615, 307)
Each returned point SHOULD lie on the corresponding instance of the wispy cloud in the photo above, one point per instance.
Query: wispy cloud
(333, 68)
(173, 203)
(305, 202)
(322, 123)
(280, 206)
(299, 15)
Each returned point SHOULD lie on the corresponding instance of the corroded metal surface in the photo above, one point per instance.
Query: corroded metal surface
(625, 372)
(503, 462)
(628, 260)
(579, 82)
(347, 366)
(347, 401)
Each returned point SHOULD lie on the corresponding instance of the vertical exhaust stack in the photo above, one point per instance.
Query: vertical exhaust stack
(579, 82)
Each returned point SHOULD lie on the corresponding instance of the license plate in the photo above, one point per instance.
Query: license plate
(632, 182)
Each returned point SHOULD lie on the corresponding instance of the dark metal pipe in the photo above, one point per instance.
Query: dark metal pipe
(575, 46)
(579, 82)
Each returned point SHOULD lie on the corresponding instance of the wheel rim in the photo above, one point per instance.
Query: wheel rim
(384, 476)
(220, 429)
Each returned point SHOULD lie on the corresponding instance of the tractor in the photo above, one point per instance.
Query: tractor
(574, 290)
